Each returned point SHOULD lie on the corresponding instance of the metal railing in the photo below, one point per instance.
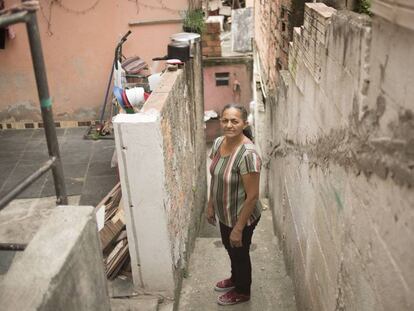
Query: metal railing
(54, 163)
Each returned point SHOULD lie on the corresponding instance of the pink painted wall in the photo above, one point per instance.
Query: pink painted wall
(79, 54)
(216, 97)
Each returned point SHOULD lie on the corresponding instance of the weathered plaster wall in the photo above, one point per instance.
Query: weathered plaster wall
(78, 50)
(341, 159)
(162, 167)
(216, 97)
(182, 133)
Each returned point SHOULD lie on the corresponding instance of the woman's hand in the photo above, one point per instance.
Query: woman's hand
(211, 215)
(236, 237)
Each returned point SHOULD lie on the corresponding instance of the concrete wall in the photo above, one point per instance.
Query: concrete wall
(78, 49)
(340, 162)
(61, 268)
(161, 152)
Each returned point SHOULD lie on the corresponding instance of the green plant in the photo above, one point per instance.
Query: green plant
(363, 7)
(193, 21)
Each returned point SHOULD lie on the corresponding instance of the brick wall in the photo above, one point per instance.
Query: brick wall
(271, 38)
(264, 38)
(211, 43)
(340, 178)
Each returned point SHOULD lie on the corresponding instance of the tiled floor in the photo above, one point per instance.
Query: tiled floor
(86, 163)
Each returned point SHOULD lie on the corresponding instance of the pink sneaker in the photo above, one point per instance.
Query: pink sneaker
(224, 285)
(231, 298)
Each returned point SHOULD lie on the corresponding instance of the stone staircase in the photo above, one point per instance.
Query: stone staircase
(124, 297)
(272, 288)
(135, 304)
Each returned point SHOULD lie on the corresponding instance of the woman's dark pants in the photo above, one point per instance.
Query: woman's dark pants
(241, 268)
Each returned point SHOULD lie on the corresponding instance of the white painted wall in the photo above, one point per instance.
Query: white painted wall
(141, 167)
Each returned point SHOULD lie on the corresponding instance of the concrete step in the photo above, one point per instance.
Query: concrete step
(272, 288)
(141, 303)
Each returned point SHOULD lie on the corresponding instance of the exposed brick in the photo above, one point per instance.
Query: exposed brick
(213, 43)
(211, 37)
(213, 28)
(217, 49)
(207, 49)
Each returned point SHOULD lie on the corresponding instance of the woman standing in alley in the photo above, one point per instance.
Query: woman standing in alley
(234, 192)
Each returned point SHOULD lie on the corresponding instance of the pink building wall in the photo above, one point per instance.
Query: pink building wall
(216, 97)
(79, 54)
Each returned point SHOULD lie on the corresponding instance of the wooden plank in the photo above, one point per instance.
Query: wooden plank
(111, 194)
(110, 232)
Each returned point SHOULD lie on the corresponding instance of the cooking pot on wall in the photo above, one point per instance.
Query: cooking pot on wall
(179, 50)
(190, 38)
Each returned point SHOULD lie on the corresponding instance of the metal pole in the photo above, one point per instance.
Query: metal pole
(13, 19)
(15, 191)
(107, 94)
(12, 247)
(46, 107)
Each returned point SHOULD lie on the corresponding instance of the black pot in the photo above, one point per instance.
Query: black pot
(179, 50)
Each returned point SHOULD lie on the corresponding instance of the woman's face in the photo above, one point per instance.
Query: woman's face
(232, 123)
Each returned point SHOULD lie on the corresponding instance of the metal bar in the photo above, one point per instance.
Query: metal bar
(15, 18)
(155, 22)
(107, 93)
(46, 107)
(12, 247)
(21, 186)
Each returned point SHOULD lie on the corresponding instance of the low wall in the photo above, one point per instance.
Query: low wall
(340, 178)
(61, 268)
(161, 152)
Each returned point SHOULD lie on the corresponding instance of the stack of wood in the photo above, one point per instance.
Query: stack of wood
(112, 233)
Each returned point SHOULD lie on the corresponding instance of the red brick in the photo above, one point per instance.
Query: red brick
(213, 43)
(211, 37)
(213, 28)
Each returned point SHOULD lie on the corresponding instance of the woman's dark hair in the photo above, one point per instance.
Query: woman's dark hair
(246, 131)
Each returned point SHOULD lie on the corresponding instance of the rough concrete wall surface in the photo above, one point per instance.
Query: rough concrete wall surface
(195, 73)
(162, 166)
(177, 128)
(61, 268)
(399, 12)
(340, 165)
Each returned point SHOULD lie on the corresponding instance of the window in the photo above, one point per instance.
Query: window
(222, 78)
(283, 27)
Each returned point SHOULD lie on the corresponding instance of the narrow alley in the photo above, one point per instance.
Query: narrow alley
(116, 116)
(272, 287)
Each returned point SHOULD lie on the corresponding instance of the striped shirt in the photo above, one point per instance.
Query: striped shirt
(226, 189)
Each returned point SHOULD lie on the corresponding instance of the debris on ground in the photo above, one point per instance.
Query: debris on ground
(112, 233)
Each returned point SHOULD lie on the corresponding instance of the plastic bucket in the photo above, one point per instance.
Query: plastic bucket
(135, 96)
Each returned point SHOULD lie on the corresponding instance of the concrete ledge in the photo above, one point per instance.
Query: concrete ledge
(61, 269)
(399, 12)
